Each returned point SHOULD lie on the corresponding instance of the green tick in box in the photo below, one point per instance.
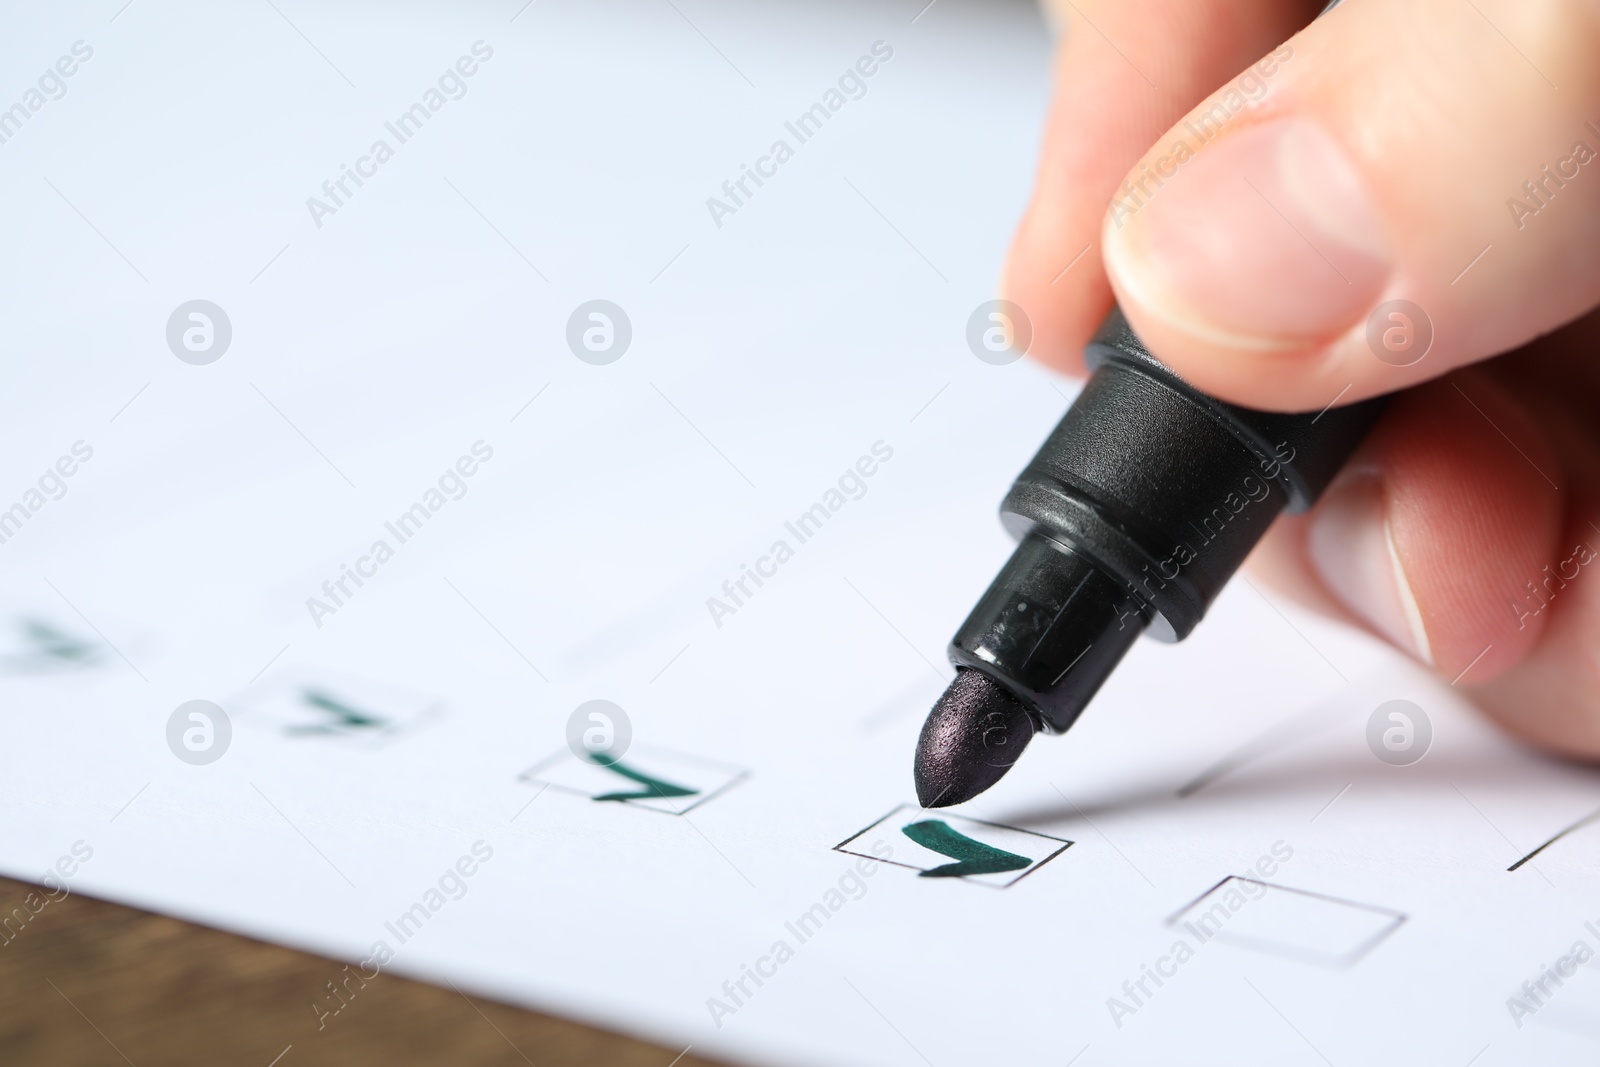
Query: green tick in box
(659, 779)
(938, 845)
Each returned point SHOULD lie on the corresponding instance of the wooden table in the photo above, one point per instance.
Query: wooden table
(86, 982)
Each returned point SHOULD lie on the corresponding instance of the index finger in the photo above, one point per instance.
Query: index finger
(1125, 73)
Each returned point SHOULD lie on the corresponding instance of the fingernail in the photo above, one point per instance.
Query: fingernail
(1267, 238)
(1352, 548)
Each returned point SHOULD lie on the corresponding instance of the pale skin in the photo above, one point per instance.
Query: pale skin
(1376, 157)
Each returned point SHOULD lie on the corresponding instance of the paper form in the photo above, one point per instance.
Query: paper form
(412, 362)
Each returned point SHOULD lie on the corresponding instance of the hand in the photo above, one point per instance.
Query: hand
(1254, 196)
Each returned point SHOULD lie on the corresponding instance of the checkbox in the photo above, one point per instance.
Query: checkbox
(312, 704)
(41, 638)
(659, 779)
(953, 846)
(39, 643)
(1296, 923)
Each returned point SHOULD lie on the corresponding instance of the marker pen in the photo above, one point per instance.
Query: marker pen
(1130, 519)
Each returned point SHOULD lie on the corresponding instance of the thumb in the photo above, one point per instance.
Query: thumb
(1401, 189)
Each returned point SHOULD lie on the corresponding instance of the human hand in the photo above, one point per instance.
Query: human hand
(1253, 196)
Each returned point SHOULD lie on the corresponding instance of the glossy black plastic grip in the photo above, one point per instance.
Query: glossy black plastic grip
(1138, 508)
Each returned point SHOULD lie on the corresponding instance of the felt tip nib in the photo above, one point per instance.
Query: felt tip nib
(975, 732)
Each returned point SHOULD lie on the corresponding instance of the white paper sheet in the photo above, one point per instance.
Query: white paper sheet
(398, 770)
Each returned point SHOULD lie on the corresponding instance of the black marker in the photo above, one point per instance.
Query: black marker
(1136, 511)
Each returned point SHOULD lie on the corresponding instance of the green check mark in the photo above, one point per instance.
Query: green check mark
(654, 788)
(348, 717)
(971, 857)
(55, 644)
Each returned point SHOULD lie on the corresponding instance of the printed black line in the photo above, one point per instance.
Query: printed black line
(1580, 824)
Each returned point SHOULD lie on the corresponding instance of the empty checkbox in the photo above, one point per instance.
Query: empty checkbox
(1288, 922)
